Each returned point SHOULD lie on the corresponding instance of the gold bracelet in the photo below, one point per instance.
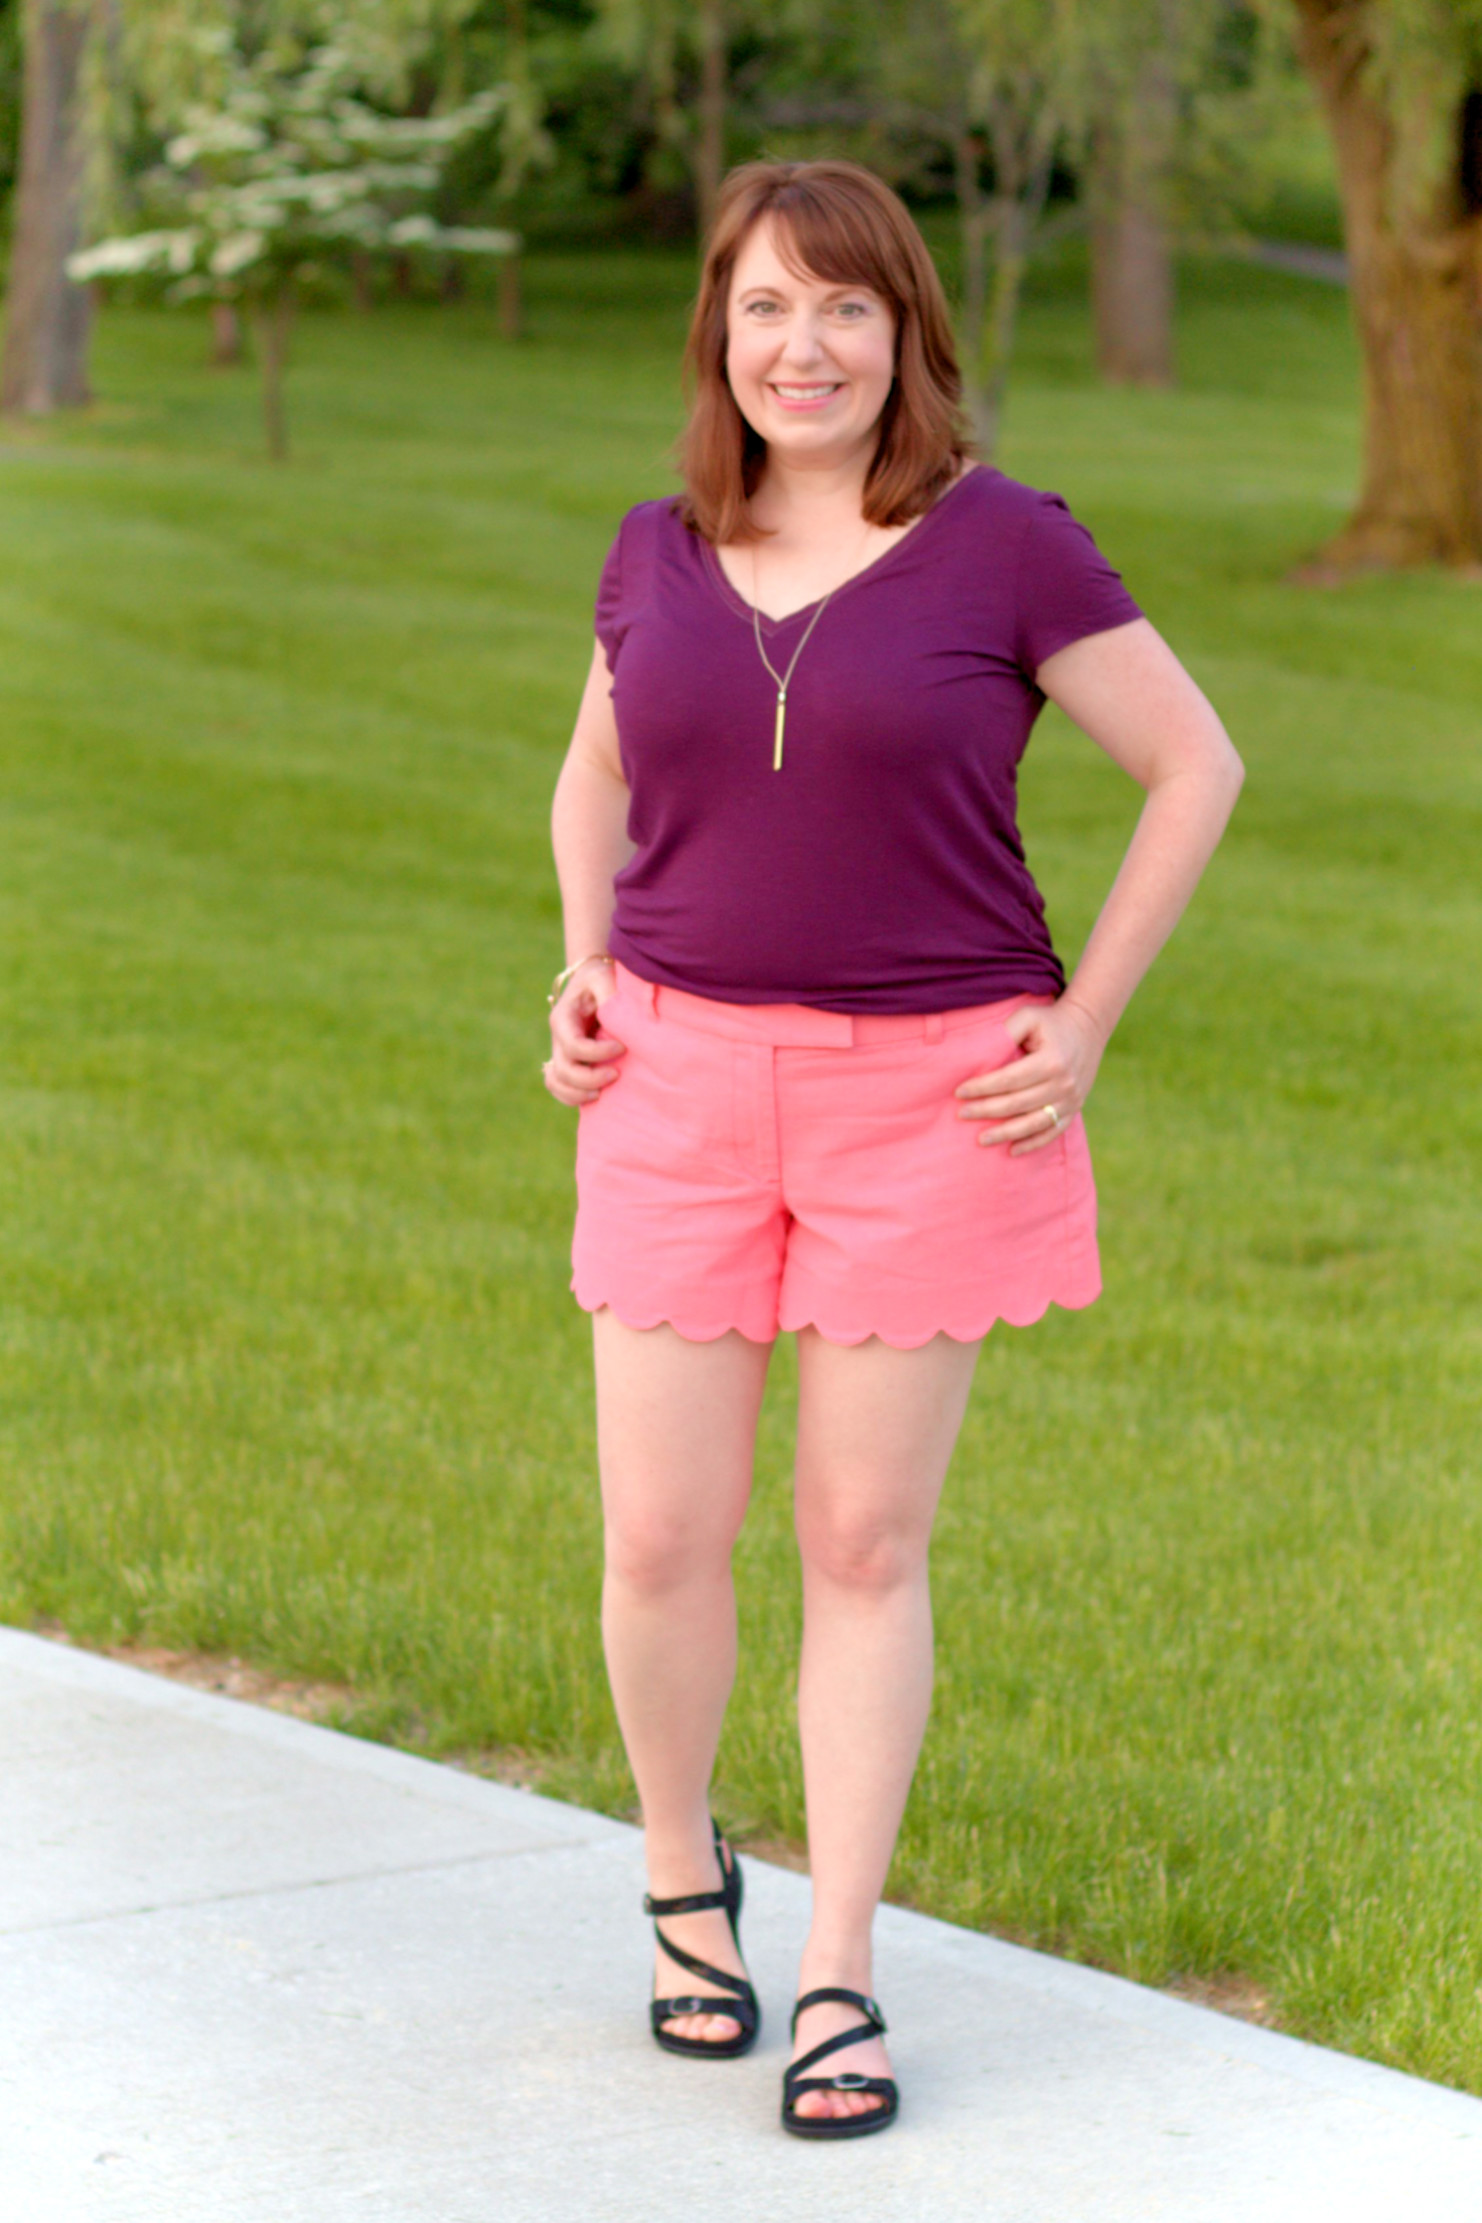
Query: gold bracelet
(597, 957)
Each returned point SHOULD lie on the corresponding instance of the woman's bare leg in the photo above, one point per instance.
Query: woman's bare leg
(876, 1430)
(676, 1428)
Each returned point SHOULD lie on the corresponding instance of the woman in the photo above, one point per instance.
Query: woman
(829, 1070)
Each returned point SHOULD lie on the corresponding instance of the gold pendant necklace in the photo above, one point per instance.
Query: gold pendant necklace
(782, 680)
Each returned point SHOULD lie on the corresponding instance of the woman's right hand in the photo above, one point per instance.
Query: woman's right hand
(582, 1063)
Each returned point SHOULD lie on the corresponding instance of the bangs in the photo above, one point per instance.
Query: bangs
(824, 238)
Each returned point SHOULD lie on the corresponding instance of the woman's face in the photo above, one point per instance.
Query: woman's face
(810, 362)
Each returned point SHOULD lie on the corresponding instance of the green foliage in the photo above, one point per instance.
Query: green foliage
(1236, 94)
(596, 127)
(1426, 54)
(597, 131)
(10, 101)
(284, 1210)
(1251, 143)
(385, 39)
(1283, 185)
(276, 166)
(1435, 43)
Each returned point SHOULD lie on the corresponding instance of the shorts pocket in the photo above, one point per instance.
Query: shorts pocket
(675, 1103)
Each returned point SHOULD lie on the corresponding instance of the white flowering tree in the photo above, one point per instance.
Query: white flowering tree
(277, 170)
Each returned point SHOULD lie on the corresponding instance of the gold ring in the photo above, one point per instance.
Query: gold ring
(1054, 1115)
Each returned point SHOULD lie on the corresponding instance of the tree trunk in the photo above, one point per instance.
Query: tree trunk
(511, 306)
(1012, 223)
(972, 222)
(1023, 154)
(710, 137)
(226, 336)
(975, 218)
(274, 321)
(1416, 276)
(1132, 279)
(48, 319)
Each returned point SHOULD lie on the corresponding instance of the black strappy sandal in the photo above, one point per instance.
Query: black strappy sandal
(740, 2002)
(796, 2080)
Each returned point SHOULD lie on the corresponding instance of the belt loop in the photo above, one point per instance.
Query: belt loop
(650, 994)
(932, 1031)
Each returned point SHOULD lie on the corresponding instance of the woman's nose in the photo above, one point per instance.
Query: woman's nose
(804, 342)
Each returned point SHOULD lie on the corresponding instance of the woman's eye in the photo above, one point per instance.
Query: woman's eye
(852, 309)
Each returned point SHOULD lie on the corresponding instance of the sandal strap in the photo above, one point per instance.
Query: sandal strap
(886, 2086)
(810, 2060)
(737, 1986)
(703, 1902)
(730, 1875)
(740, 2006)
(867, 2007)
(697, 1902)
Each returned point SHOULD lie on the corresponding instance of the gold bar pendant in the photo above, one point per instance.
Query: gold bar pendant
(781, 721)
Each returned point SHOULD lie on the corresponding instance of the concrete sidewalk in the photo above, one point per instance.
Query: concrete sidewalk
(252, 1971)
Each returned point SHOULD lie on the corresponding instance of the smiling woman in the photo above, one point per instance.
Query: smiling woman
(818, 307)
(809, 976)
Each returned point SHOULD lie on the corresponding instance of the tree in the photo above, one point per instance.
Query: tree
(993, 86)
(1176, 96)
(11, 66)
(277, 169)
(1401, 87)
(1132, 67)
(48, 314)
(710, 112)
(662, 37)
(488, 40)
(1023, 99)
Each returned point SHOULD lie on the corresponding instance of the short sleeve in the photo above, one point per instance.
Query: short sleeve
(1067, 589)
(611, 625)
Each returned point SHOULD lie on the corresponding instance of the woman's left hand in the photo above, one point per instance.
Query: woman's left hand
(1062, 1045)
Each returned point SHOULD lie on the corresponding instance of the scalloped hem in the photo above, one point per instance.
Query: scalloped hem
(660, 1315)
(957, 1330)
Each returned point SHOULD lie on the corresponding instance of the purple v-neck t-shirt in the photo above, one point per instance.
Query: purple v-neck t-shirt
(881, 869)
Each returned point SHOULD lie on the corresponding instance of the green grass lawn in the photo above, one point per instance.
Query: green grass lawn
(291, 1368)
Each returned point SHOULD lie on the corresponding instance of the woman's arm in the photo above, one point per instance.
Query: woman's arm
(589, 821)
(1129, 692)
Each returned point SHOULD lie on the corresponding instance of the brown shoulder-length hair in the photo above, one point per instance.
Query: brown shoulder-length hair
(833, 220)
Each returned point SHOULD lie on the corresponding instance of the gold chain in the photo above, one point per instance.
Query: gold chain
(782, 680)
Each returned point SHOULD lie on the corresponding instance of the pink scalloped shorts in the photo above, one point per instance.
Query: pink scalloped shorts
(770, 1166)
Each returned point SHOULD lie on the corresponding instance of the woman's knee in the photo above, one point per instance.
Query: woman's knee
(861, 1549)
(655, 1552)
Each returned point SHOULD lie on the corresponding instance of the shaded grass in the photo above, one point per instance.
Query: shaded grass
(291, 1368)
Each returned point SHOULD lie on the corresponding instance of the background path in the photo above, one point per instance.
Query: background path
(254, 1971)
